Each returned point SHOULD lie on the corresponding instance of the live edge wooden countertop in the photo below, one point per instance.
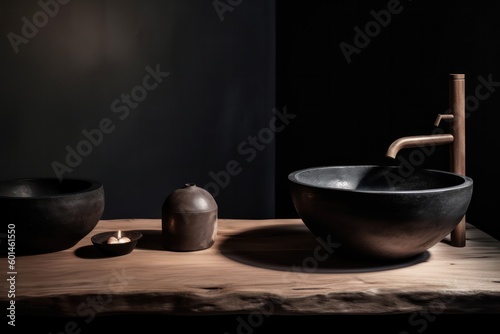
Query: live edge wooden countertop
(273, 266)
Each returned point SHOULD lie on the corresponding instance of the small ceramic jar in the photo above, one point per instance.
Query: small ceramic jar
(189, 219)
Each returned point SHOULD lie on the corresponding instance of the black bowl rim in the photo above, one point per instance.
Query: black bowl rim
(467, 181)
(94, 185)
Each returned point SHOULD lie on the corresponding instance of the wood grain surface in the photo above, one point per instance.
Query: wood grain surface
(273, 266)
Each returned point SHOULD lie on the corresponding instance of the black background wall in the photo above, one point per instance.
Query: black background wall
(69, 67)
(394, 85)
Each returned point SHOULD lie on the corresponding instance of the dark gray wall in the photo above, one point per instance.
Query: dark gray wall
(77, 66)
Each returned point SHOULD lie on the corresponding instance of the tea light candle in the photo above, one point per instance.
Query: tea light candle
(118, 239)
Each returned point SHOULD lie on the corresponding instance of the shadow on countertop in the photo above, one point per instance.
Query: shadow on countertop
(294, 248)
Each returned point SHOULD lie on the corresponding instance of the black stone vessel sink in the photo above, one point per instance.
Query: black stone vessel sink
(47, 215)
(380, 212)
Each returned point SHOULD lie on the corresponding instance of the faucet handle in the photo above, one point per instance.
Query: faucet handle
(442, 116)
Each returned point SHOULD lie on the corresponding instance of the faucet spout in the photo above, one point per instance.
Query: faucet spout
(417, 141)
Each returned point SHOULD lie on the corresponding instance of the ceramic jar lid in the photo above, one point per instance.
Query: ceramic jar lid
(189, 198)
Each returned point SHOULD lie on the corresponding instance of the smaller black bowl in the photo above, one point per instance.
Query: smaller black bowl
(100, 240)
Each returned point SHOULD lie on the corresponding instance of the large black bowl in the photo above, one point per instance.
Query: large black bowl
(47, 215)
(380, 212)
